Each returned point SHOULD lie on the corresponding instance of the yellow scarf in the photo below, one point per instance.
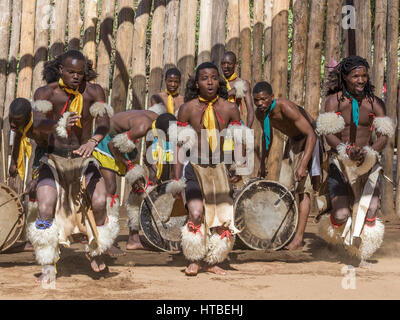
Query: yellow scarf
(159, 153)
(77, 103)
(209, 123)
(170, 103)
(25, 149)
(228, 86)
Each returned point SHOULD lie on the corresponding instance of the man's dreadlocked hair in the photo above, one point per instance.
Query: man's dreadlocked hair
(336, 82)
(51, 72)
(192, 92)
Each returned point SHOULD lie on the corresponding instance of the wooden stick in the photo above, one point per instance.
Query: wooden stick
(155, 208)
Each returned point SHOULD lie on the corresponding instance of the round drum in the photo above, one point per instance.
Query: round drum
(172, 213)
(265, 221)
(12, 217)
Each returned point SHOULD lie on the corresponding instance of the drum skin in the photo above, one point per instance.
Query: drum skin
(263, 223)
(172, 212)
(12, 217)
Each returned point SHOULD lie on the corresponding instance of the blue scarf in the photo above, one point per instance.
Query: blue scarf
(355, 108)
(267, 126)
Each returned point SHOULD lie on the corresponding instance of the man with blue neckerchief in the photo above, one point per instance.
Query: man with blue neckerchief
(303, 162)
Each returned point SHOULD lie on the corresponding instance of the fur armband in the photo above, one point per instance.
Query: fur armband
(62, 125)
(186, 135)
(175, 186)
(123, 142)
(240, 87)
(134, 174)
(330, 123)
(43, 106)
(158, 108)
(98, 109)
(384, 126)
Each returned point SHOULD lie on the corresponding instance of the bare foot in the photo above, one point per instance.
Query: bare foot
(192, 269)
(48, 275)
(215, 269)
(134, 242)
(114, 252)
(295, 244)
(97, 263)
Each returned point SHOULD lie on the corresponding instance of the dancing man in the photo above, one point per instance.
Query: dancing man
(352, 113)
(208, 235)
(69, 180)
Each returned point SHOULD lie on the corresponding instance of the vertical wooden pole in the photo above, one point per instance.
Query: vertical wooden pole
(42, 23)
(299, 49)
(186, 40)
(245, 41)
(363, 29)
(233, 33)
(378, 66)
(351, 49)
(75, 24)
(105, 45)
(258, 26)
(58, 27)
(26, 50)
(204, 49)
(12, 75)
(139, 55)
(123, 55)
(387, 204)
(157, 47)
(171, 35)
(89, 36)
(5, 17)
(314, 48)
(280, 46)
(268, 5)
(332, 45)
(218, 31)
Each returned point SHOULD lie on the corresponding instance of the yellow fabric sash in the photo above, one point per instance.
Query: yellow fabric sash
(228, 86)
(209, 123)
(77, 103)
(159, 153)
(170, 103)
(25, 148)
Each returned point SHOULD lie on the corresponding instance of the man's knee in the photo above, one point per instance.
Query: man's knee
(99, 202)
(195, 215)
(341, 215)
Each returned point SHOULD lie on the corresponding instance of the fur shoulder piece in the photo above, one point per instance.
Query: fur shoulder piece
(330, 123)
(98, 109)
(175, 186)
(187, 136)
(61, 129)
(134, 174)
(158, 108)
(384, 126)
(123, 143)
(240, 87)
(240, 133)
(43, 106)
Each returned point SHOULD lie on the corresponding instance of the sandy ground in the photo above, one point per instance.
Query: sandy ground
(314, 273)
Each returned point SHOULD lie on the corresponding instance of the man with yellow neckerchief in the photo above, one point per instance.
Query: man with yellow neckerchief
(117, 155)
(238, 89)
(202, 179)
(21, 121)
(170, 98)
